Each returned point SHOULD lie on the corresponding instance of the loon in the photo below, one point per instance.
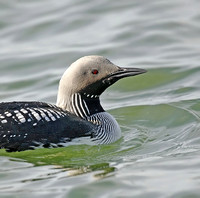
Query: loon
(77, 113)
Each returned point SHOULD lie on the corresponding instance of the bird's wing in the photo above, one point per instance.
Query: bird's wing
(24, 125)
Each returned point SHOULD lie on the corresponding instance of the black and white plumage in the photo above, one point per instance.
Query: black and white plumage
(77, 113)
(26, 125)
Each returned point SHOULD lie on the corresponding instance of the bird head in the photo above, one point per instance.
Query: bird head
(90, 76)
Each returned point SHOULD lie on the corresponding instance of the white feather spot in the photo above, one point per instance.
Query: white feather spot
(22, 120)
(35, 114)
(8, 114)
(21, 117)
(51, 116)
(4, 121)
(47, 119)
(24, 111)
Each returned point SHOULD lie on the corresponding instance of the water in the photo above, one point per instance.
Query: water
(158, 112)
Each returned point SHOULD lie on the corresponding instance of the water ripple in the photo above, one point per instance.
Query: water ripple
(158, 112)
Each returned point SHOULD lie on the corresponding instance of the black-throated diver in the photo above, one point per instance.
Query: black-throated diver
(77, 113)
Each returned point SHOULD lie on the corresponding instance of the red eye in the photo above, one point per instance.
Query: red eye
(95, 71)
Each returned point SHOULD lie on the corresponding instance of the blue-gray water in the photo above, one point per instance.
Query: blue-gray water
(158, 112)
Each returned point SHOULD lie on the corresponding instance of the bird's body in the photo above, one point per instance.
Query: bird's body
(77, 114)
(26, 125)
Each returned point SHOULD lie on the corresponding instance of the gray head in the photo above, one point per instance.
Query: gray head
(89, 76)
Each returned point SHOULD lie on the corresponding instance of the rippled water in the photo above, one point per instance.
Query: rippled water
(159, 112)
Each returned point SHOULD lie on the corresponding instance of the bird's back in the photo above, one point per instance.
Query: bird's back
(25, 125)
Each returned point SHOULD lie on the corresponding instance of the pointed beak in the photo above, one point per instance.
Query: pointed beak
(123, 72)
(126, 72)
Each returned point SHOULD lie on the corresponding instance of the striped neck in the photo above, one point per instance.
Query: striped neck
(84, 105)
